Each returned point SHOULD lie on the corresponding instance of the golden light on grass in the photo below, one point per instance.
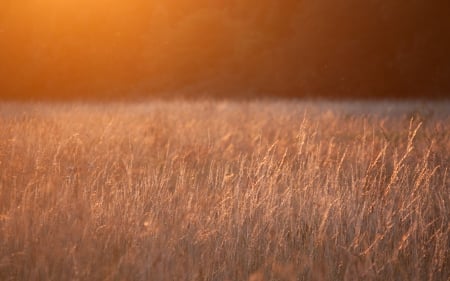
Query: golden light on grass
(224, 191)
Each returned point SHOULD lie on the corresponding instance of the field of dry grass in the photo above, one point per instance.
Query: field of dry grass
(225, 191)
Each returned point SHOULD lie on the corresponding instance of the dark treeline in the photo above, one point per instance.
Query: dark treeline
(233, 48)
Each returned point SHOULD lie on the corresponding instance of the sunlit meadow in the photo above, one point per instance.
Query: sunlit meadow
(191, 190)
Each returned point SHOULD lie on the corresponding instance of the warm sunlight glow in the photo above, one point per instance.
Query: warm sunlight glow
(95, 48)
(224, 140)
(65, 44)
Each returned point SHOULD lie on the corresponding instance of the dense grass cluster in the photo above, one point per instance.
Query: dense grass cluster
(225, 191)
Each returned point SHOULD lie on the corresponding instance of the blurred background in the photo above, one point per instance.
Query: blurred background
(131, 49)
